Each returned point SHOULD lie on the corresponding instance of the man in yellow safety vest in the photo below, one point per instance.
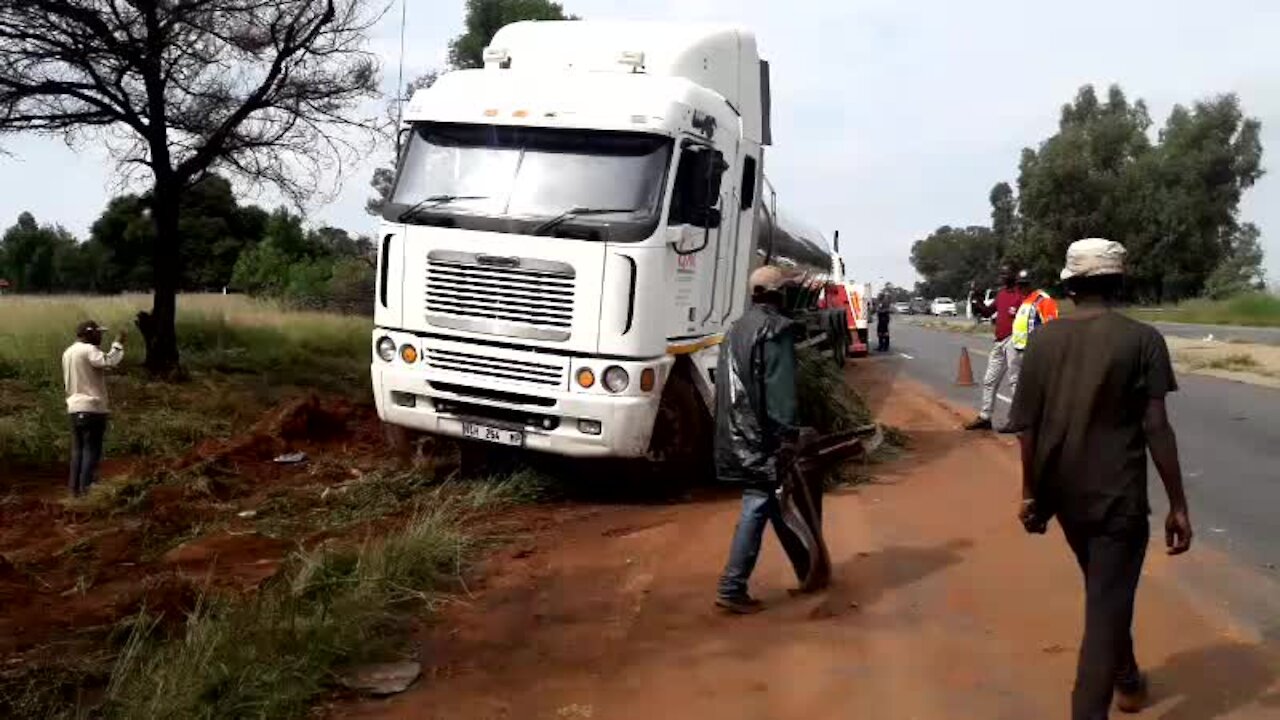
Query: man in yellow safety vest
(1037, 309)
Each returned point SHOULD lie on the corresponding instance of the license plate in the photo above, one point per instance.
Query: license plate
(488, 433)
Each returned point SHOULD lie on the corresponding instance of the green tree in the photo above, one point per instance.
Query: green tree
(1240, 270)
(1076, 184)
(215, 230)
(1173, 203)
(486, 17)
(39, 258)
(1004, 217)
(950, 258)
(325, 268)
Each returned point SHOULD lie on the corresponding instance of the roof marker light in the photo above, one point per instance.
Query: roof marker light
(632, 58)
(497, 56)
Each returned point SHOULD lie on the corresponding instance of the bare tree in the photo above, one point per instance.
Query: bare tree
(268, 90)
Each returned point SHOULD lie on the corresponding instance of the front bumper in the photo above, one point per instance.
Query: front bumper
(418, 397)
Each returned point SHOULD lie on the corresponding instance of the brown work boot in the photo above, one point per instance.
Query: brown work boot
(979, 424)
(743, 605)
(1132, 698)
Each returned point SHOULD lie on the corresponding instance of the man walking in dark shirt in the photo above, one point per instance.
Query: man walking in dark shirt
(1090, 405)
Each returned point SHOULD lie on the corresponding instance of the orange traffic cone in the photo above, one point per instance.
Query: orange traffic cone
(964, 374)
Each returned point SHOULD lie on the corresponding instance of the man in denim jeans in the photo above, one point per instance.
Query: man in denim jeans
(84, 367)
(756, 427)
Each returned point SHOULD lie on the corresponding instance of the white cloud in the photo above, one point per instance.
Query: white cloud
(891, 118)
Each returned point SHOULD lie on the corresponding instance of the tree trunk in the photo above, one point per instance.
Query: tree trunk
(159, 326)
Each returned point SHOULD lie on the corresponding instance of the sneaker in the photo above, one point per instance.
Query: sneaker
(979, 424)
(744, 605)
(1006, 429)
(1132, 698)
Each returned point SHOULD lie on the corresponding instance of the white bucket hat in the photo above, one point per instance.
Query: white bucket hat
(1094, 256)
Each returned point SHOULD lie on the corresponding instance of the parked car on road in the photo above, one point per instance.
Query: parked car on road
(942, 306)
(919, 306)
(902, 307)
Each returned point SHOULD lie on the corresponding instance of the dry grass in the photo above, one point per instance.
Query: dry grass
(269, 657)
(1252, 309)
(241, 356)
(1244, 362)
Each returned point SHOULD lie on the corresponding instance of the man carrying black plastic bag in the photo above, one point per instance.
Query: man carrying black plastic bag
(757, 438)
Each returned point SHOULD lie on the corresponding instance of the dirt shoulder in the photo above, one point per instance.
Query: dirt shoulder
(1251, 363)
(941, 608)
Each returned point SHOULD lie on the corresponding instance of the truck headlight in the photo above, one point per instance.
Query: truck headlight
(386, 349)
(615, 379)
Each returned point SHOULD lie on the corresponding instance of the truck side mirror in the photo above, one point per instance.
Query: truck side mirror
(697, 189)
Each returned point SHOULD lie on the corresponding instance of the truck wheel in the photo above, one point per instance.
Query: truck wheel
(681, 447)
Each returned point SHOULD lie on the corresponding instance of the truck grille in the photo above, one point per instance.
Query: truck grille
(516, 297)
(497, 368)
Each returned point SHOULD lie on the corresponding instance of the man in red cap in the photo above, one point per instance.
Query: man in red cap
(1004, 360)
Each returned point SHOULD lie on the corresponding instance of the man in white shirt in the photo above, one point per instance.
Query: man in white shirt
(84, 372)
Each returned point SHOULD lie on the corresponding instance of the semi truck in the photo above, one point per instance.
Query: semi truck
(569, 236)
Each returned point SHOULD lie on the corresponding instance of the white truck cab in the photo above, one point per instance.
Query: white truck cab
(570, 233)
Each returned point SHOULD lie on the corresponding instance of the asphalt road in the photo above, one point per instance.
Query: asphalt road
(1228, 435)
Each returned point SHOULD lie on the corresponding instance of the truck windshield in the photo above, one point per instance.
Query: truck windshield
(592, 184)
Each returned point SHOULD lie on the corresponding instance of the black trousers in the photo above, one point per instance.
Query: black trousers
(1110, 554)
(87, 432)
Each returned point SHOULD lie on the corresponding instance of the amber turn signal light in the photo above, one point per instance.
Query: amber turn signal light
(586, 378)
(647, 379)
(409, 354)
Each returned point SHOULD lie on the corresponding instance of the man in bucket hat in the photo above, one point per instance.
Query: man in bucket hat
(84, 367)
(1089, 407)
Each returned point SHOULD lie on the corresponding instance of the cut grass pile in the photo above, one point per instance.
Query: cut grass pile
(826, 402)
(241, 356)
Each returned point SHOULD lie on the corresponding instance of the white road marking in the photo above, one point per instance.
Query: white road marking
(1008, 400)
(906, 356)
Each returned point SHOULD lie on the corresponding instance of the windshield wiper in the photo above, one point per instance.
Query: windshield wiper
(575, 212)
(432, 201)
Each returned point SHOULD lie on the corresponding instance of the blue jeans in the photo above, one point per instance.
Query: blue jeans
(759, 508)
(87, 431)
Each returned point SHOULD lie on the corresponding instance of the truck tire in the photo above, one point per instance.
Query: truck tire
(680, 450)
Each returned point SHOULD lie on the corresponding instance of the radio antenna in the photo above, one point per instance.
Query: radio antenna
(400, 77)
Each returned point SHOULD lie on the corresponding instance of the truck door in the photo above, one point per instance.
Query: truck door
(699, 250)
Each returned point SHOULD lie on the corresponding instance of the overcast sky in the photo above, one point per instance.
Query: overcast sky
(890, 118)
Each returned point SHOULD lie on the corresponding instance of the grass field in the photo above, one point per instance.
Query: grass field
(241, 355)
(372, 542)
(1255, 309)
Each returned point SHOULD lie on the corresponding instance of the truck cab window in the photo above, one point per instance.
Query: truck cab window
(516, 179)
(696, 195)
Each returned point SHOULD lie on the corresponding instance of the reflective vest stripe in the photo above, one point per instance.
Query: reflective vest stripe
(1038, 309)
